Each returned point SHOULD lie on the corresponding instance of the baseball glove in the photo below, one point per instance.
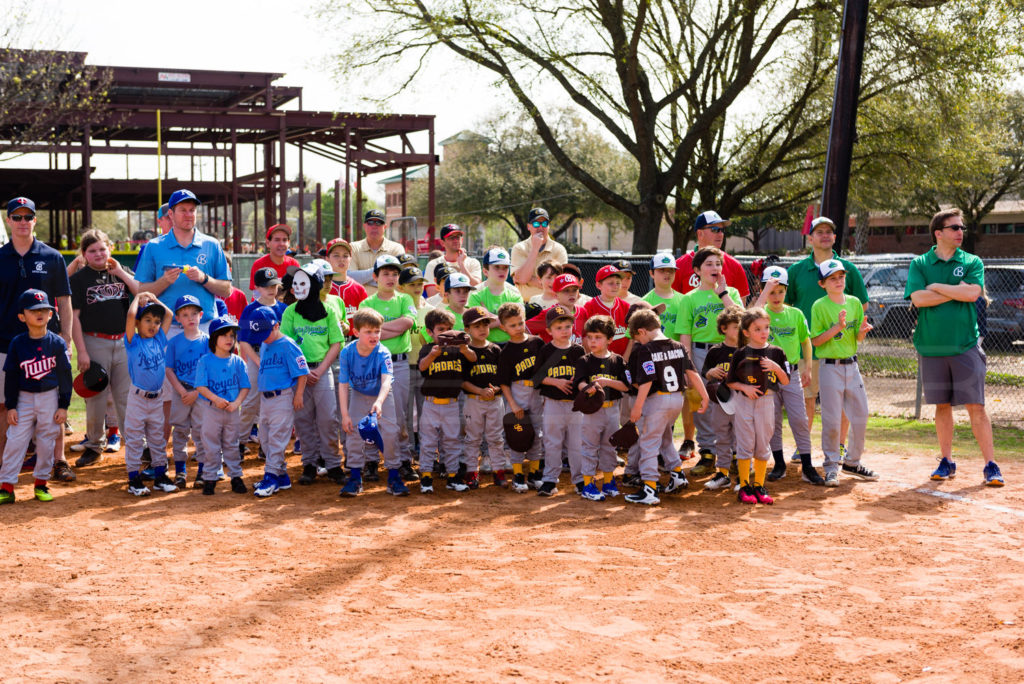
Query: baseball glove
(453, 338)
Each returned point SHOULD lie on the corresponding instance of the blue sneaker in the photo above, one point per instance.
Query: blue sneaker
(610, 489)
(267, 486)
(113, 443)
(993, 478)
(945, 471)
(396, 487)
(254, 435)
(284, 482)
(297, 450)
(592, 493)
(354, 487)
(148, 474)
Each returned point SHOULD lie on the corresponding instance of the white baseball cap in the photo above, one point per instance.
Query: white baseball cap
(386, 260)
(663, 260)
(497, 257)
(457, 280)
(778, 273)
(827, 268)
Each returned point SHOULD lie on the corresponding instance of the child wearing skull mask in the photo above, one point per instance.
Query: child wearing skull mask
(317, 330)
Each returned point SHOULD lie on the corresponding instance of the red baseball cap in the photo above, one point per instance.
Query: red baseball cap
(283, 227)
(606, 271)
(563, 281)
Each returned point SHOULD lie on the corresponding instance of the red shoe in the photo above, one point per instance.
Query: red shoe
(747, 495)
(473, 480)
(761, 494)
(499, 478)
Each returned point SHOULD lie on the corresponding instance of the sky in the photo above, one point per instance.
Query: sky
(257, 35)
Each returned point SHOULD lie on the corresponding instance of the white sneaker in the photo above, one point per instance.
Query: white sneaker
(645, 495)
(832, 480)
(676, 482)
(719, 481)
(266, 487)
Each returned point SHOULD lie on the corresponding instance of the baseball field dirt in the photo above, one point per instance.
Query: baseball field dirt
(869, 582)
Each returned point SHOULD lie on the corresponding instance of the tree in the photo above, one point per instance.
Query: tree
(667, 79)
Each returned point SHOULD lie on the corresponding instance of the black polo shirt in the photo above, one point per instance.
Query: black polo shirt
(42, 267)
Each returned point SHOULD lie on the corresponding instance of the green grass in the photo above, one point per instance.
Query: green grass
(878, 366)
(914, 435)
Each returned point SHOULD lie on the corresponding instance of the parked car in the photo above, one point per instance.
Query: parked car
(887, 310)
(1004, 286)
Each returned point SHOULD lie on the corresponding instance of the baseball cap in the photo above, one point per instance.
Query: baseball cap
(33, 299)
(663, 260)
(822, 221)
(411, 274)
(373, 215)
(93, 381)
(573, 269)
(709, 218)
(407, 260)
(187, 300)
(557, 313)
(604, 272)
(261, 322)
(457, 280)
(537, 213)
(219, 326)
(179, 196)
(339, 242)
(156, 308)
(20, 203)
(442, 271)
(726, 398)
(163, 211)
(369, 431)
(474, 314)
(497, 257)
(563, 281)
(519, 432)
(587, 403)
(450, 229)
(386, 260)
(283, 227)
(776, 272)
(265, 277)
(625, 437)
(623, 265)
(827, 268)
(324, 267)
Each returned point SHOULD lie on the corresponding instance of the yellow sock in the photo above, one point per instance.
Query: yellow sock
(608, 477)
(529, 466)
(517, 468)
(744, 466)
(587, 479)
(760, 468)
(652, 484)
(678, 469)
(724, 471)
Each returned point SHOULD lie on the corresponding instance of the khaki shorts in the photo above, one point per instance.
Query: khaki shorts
(811, 391)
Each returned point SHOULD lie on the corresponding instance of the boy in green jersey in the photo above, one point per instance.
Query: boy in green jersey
(495, 291)
(837, 325)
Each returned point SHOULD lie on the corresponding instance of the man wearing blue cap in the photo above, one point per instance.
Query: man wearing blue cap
(185, 261)
(27, 263)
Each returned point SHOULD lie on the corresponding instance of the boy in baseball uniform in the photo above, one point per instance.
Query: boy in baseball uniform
(223, 384)
(365, 376)
(145, 340)
(607, 303)
(484, 408)
(567, 295)
(716, 367)
(838, 324)
(282, 384)
(495, 290)
(37, 393)
(411, 282)
(516, 363)
(183, 354)
(339, 254)
(266, 283)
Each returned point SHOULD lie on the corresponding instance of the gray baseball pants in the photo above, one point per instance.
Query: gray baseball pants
(841, 390)
(400, 391)
(413, 410)
(249, 411)
(359, 406)
(659, 415)
(483, 422)
(725, 436)
(317, 423)
(791, 397)
(598, 453)
(633, 457)
(220, 439)
(563, 431)
(35, 419)
(753, 424)
(277, 415)
(144, 424)
(185, 422)
(706, 437)
(112, 355)
(529, 400)
(439, 435)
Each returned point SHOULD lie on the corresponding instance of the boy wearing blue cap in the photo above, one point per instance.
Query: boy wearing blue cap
(365, 367)
(266, 283)
(223, 382)
(183, 354)
(281, 382)
(145, 340)
(37, 393)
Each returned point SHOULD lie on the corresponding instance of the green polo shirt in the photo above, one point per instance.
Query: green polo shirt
(788, 331)
(825, 314)
(804, 290)
(490, 301)
(951, 328)
(338, 304)
(698, 314)
(670, 315)
(399, 306)
(313, 337)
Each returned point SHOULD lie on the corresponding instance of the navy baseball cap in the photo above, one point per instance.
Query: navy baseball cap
(219, 326)
(179, 196)
(374, 215)
(709, 218)
(450, 229)
(261, 323)
(537, 213)
(155, 308)
(33, 299)
(187, 300)
(20, 203)
(265, 277)
(411, 274)
(163, 211)
(370, 433)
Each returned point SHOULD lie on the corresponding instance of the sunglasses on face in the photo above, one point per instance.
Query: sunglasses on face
(540, 224)
(375, 223)
(958, 227)
(18, 218)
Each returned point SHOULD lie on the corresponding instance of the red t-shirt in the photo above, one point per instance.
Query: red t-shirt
(352, 293)
(265, 261)
(538, 326)
(687, 280)
(595, 307)
(236, 302)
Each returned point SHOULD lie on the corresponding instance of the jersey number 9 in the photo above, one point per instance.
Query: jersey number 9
(671, 379)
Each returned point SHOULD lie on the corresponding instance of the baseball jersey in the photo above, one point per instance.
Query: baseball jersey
(590, 368)
(788, 331)
(400, 305)
(363, 373)
(719, 356)
(444, 376)
(538, 326)
(555, 362)
(419, 329)
(266, 261)
(687, 280)
(338, 304)
(313, 337)
(101, 299)
(490, 301)
(484, 371)
(146, 360)
(518, 360)
(698, 315)
(244, 334)
(225, 377)
(281, 364)
(617, 312)
(37, 365)
(662, 362)
(746, 367)
(825, 314)
(183, 355)
(671, 313)
(352, 294)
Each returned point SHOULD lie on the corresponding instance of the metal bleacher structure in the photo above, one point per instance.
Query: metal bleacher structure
(219, 116)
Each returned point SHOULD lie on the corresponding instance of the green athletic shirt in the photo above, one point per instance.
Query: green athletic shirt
(490, 301)
(427, 337)
(698, 314)
(951, 328)
(825, 314)
(399, 306)
(789, 330)
(338, 304)
(313, 337)
(671, 313)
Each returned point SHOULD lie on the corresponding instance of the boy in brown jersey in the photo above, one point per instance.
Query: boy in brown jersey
(484, 410)
(516, 364)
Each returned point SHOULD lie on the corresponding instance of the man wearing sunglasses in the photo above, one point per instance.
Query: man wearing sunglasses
(535, 250)
(366, 251)
(28, 263)
(943, 284)
(710, 230)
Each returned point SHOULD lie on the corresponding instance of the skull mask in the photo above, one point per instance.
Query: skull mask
(300, 285)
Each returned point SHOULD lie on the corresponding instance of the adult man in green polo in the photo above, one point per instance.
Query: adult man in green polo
(804, 290)
(943, 284)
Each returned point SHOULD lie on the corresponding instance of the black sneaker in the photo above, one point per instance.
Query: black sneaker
(406, 472)
(370, 472)
(209, 486)
(308, 474)
(181, 482)
(88, 457)
(535, 479)
(238, 486)
(687, 449)
(62, 472)
(519, 483)
(778, 472)
(547, 489)
(811, 475)
(861, 472)
(242, 452)
(579, 487)
(633, 480)
(336, 475)
(164, 484)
